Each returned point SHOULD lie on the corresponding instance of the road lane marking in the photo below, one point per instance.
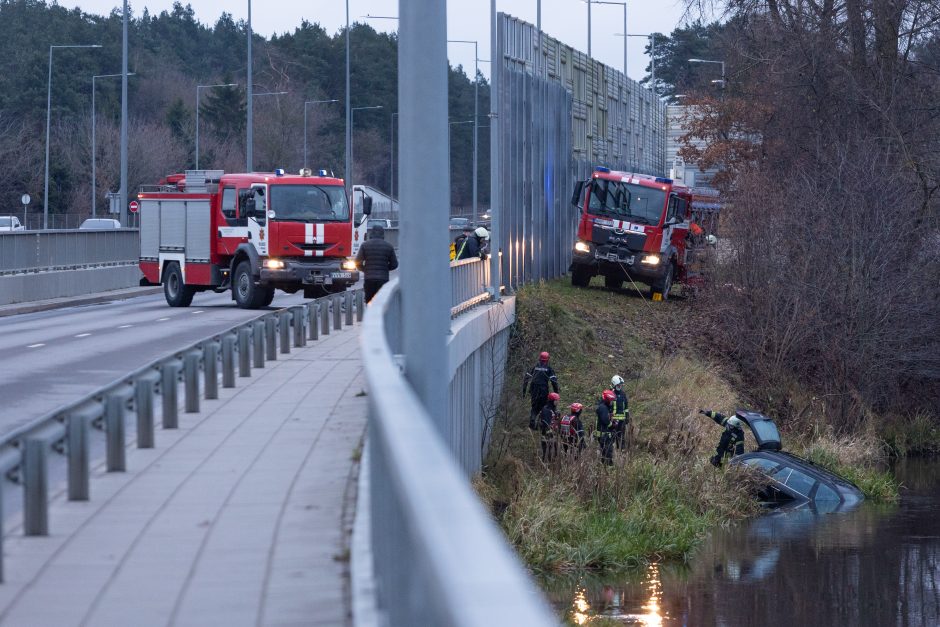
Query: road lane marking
(195, 312)
(125, 326)
(83, 335)
(36, 345)
(162, 319)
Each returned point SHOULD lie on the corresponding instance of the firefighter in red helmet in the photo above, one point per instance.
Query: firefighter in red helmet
(548, 427)
(571, 430)
(605, 427)
(536, 382)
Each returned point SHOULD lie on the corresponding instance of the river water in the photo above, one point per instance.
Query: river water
(875, 565)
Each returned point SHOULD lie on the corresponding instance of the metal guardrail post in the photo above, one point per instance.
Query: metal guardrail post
(297, 318)
(313, 311)
(210, 363)
(324, 305)
(270, 337)
(348, 297)
(168, 390)
(283, 323)
(228, 361)
(191, 381)
(257, 349)
(337, 312)
(360, 305)
(244, 352)
(77, 427)
(114, 433)
(143, 402)
(35, 487)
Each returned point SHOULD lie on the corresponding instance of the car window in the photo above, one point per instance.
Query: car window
(766, 465)
(825, 493)
(5, 221)
(229, 198)
(800, 482)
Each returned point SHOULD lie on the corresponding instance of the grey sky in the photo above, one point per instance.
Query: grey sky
(467, 19)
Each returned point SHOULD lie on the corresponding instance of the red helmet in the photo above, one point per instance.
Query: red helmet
(553, 396)
(576, 407)
(609, 396)
(543, 356)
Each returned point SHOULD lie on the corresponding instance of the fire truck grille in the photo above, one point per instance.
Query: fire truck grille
(312, 246)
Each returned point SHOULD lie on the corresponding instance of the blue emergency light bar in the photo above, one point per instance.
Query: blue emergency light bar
(661, 179)
(600, 168)
(323, 173)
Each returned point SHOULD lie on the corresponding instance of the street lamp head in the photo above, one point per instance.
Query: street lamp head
(696, 61)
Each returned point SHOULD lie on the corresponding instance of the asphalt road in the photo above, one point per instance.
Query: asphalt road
(51, 358)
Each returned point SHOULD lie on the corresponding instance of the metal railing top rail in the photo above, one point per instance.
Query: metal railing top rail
(460, 551)
(38, 251)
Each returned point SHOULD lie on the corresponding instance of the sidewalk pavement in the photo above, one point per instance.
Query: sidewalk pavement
(240, 517)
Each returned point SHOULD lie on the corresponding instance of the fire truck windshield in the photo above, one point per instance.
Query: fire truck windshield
(622, 200)
(309, 203)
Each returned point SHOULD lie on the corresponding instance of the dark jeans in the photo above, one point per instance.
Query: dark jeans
(606, 442)
(371, 286)
(732, 441)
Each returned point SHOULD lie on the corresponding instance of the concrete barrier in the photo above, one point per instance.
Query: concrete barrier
(31, 286)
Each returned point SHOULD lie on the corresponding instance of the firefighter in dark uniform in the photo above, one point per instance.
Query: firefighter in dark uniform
(621, 415)
(536, 381)
(571, 430)
(604, 432)
(732, 438)
(548, 426)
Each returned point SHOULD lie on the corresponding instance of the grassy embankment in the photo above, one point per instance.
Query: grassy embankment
(661, 498)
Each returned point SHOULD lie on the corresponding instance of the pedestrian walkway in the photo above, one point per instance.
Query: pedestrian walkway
(239, 517)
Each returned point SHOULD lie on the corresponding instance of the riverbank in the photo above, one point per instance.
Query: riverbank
(661, 497)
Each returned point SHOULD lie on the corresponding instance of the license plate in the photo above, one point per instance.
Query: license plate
(341, 275)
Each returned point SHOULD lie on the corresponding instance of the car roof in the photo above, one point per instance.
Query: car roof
(846, 489)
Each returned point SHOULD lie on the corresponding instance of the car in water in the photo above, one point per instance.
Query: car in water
(793, 480)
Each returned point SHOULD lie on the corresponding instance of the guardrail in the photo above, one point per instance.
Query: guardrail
(438, 557)
(33, 251)
(25, 452)
(469, 280)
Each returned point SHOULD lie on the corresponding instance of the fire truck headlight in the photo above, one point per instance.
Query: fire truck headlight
(349, 264)
(273, 264)
(650, 260)
(582, 247)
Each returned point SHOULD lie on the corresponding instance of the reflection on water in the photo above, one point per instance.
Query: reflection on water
(875, 565)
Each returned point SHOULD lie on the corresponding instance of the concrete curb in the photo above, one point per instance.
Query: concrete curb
(364, 603)
(71, 301)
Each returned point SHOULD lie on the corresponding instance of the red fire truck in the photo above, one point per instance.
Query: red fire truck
(632, 227)
(251, 233)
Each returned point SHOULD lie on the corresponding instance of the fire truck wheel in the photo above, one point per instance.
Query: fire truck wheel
(580, 276)
(177, 293)
(247, 294)
(268, 297)
(613, 283)
(664, 285)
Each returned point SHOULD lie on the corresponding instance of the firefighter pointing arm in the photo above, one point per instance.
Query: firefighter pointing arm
(732, 438)
(536, 382)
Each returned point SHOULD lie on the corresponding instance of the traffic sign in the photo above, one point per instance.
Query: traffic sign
(133, 206)
(25, 199)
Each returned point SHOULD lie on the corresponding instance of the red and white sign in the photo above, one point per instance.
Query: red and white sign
(133, 206)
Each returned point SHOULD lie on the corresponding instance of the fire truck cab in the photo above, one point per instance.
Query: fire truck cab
(251, 233)
(632, 227)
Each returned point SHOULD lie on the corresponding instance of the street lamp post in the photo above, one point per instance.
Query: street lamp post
(310, 102)
(45, 193)
(198, 87)
(348, 166)
(721, 63)
(352, 120)
(652, 38)
(391, 155)
(94, 155)
(249, 156)
(125, 16)
(624, 5)
(476, 109)
(266, 93)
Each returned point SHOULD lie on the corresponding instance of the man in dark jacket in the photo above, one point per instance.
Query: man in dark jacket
(605, 428)
(732, 438)
(376, 258)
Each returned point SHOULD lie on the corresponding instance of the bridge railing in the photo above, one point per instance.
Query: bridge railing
(32, 251)
(438, 556)
(151, 393)
(469, 279)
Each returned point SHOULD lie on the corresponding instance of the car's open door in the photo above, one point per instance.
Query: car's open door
(765, 431)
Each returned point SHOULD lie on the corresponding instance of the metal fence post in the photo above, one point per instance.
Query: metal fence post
(297, 318)
(143, 402)
(210, 365)
(244, 352)
(168, 390)
(77, 435)
(337, 312)
(348, 298)
(324, 305)
(228, 361)
(114, 433)
(257, 350)
(35, 487)
(282, 323)
(270, 337)
(191, 382)
(312, 312)
(360, 305)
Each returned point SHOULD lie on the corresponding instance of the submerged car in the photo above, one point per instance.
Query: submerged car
(792, 478)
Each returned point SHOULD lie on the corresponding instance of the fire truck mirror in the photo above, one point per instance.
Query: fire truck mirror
(578, 194)
(367, 205)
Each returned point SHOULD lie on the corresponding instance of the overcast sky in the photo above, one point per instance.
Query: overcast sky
(467, 19)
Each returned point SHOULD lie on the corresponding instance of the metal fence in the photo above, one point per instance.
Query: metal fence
(26, 454)
(469, 279)
(33, 251)
(439, 558)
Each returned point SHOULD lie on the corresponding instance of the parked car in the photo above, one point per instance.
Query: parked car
(459, 224)
(792, 478)
(10, 223)
(384, 223)
(98, 224)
